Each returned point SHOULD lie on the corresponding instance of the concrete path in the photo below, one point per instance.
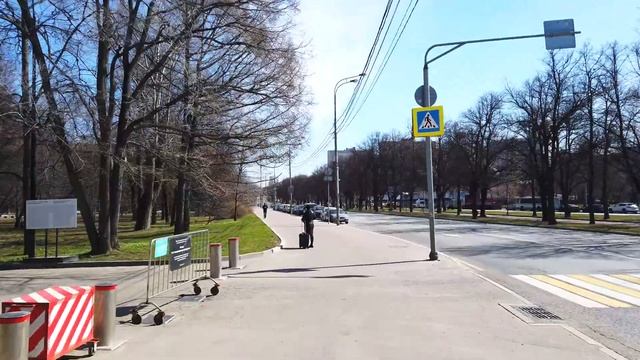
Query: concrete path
(356, 295)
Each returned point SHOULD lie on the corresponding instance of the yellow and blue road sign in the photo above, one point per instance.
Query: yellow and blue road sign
(428, 121)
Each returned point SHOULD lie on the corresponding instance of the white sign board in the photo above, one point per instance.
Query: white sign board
(52, 214)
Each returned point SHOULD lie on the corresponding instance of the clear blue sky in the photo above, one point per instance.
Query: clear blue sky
(340, 33)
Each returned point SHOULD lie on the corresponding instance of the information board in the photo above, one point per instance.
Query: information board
(52, 214)
(180, 252)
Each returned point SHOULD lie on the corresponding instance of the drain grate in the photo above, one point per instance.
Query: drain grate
(538, 312)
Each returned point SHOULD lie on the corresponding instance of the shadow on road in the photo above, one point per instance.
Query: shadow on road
(306, 269)
(301, 277)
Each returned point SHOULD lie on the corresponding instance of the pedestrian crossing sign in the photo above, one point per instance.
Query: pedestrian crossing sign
(428, 121)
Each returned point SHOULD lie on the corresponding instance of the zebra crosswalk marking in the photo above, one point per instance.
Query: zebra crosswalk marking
(600, 290)
(580, 291)
(629, 278)
(590, 290)
(608, 285)
(617, 281)
(560, 292)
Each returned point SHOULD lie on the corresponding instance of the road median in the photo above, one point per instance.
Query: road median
(621, 228)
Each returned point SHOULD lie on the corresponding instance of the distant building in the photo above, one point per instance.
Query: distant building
(343, 155)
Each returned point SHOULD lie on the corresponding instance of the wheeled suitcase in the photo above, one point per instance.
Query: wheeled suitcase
(303, 240)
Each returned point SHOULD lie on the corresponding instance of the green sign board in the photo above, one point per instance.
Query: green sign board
(161, 247)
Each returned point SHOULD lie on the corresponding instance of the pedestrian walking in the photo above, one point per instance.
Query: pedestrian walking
(264, 210)
(307, 220)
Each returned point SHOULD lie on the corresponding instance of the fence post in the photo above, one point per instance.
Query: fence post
(215, 260)
(234, 252)
(14, 335)
(104, 326)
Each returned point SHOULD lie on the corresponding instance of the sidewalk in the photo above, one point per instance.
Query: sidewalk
(356, 295)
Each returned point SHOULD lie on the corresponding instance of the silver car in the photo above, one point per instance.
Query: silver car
(625, 208)
(344, 216)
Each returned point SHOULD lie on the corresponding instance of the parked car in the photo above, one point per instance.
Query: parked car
(625, 208)
(317, 211)
(572, 208)
(325, 213)
(344, 217)
(597, 208)
(298, 209)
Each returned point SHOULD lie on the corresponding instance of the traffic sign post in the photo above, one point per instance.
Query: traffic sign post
(423, 118)
(427, 121)
(418, 96)
(558, 34)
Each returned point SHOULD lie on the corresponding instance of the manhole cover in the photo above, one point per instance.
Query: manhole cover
(538, 312)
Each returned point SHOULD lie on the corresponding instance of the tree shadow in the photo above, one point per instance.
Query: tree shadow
(303, 277)
(310, 269)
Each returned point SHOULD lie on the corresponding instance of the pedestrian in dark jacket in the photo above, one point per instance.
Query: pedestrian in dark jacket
(264, 210)
(307, 220)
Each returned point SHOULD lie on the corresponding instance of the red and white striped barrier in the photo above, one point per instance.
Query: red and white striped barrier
(61, 319)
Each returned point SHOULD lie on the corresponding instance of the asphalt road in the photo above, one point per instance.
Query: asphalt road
(520, 257)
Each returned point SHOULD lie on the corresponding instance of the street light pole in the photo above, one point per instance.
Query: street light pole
(347, 80)
(558, 34)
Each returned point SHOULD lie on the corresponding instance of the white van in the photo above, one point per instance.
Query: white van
(526, 204)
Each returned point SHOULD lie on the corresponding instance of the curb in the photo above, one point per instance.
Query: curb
(273, 231)
(77, 264)
(113, 263)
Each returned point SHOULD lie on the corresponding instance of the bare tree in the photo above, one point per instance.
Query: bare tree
(546, 104)
(481, 140)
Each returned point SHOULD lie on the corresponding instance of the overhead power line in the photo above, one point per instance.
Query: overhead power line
(375, 49)
(396, 39)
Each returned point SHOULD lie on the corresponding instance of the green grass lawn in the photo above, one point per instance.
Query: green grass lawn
(626, 228)
(134, 245)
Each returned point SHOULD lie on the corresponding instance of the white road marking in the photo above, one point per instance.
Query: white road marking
(559, 292)
(598, 289)
(617, 281)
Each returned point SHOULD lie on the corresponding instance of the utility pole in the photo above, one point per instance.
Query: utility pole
(274, 187)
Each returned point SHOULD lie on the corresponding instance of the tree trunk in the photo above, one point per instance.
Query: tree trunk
(186, 218)
(179, 205)
(565, 202)
(103, 20)
(605, 172)
(473, 194)
(533, 198)
(28, 188)
(543, 198)
(154, 214)
(458, 202)
(133, 200)
(483, 201)
(549, 200)
(145, 203)
(605, 185)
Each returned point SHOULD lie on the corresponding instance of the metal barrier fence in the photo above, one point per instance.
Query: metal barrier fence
(175, 261)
